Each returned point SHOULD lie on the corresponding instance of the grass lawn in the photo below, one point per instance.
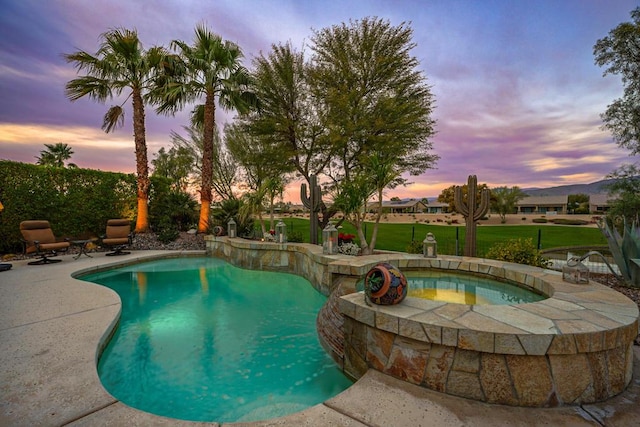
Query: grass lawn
(396, 237)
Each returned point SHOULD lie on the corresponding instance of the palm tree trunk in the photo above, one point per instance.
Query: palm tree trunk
(207, 162)
(142, 166)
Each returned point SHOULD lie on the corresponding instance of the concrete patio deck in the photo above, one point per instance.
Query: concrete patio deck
(52, 327)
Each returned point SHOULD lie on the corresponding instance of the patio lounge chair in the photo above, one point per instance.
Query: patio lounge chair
(118, 236)
(38, 238)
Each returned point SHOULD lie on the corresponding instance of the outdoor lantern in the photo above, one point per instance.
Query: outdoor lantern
(574, 271)
(330, 240)
(232, 228)
(430, 246)
(281, 232)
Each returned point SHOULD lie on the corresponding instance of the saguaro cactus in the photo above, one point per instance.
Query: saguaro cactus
(313, 203)
(471, 212)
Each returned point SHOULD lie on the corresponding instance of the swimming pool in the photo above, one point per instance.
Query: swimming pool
(202, 340)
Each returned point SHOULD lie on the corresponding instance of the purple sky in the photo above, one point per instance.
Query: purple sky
(518, 96)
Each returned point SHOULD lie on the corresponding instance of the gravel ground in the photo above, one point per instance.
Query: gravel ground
(186, 241)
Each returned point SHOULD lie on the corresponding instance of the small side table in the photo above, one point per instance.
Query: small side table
(82, 244)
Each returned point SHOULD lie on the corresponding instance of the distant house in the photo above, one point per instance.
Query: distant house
(400, 206)
(543, 205)
(599, 203)
(437, 207)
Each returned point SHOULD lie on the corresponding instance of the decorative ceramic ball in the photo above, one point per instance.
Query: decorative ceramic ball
(385, 284)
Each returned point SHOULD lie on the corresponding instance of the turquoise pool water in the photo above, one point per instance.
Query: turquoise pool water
(466, 289)
(202, 340)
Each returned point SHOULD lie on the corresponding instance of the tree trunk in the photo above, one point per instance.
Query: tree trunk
(374, 233)
(271, 216)
(207, 162)
(142, 167)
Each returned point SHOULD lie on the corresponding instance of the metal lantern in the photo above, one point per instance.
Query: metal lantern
(281, 232)
(430, 246)
(330, 240)
(574, 271)
(232, 228)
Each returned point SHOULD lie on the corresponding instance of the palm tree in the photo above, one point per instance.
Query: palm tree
(121, 64)
(211, 69)
(55, 155)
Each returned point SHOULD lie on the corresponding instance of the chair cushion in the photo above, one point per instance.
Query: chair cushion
(54, 246)
(41, 232)
(118, 228)
(116, 241)
(37, 231)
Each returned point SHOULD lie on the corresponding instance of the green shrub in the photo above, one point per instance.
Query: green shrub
(540, 220)
(295, 237)
(415, 247)
(625, 248)
(520, 251)
(232, 208)
(568, 221)
(168, 206)
(167, 233)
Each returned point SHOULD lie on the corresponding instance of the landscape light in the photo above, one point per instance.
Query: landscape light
(430, 246)
(232, 228)
(330, 240)
(281, 232)
(574, 271)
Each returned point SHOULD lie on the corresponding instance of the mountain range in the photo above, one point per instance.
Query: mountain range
(598, 187)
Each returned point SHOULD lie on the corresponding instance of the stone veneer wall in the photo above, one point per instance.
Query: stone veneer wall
(298, 258)
(518, 380)
(575, 347)
(578, 348)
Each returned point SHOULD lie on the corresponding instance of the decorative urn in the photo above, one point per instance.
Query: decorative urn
(385, 284)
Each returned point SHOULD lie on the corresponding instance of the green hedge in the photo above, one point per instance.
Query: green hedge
(77, 202)
(569, 221)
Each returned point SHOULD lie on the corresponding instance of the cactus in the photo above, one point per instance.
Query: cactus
(625, 250)
(470, 212)
(312, 202)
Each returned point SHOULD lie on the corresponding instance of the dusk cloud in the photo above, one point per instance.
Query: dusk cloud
(518, 97)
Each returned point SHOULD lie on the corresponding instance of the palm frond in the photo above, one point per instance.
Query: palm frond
(96, 88)
(113, 119)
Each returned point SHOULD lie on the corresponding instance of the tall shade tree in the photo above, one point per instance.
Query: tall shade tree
(619, 52)
(224, 166)
(289, 116)
(578, 203)
(625, 189)
(376, 106)
(121, 64)
(353, 195)
(56, 155)
(504, 200)
(210, 70)
(448, 195)
(176, 164)
(265, 169)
